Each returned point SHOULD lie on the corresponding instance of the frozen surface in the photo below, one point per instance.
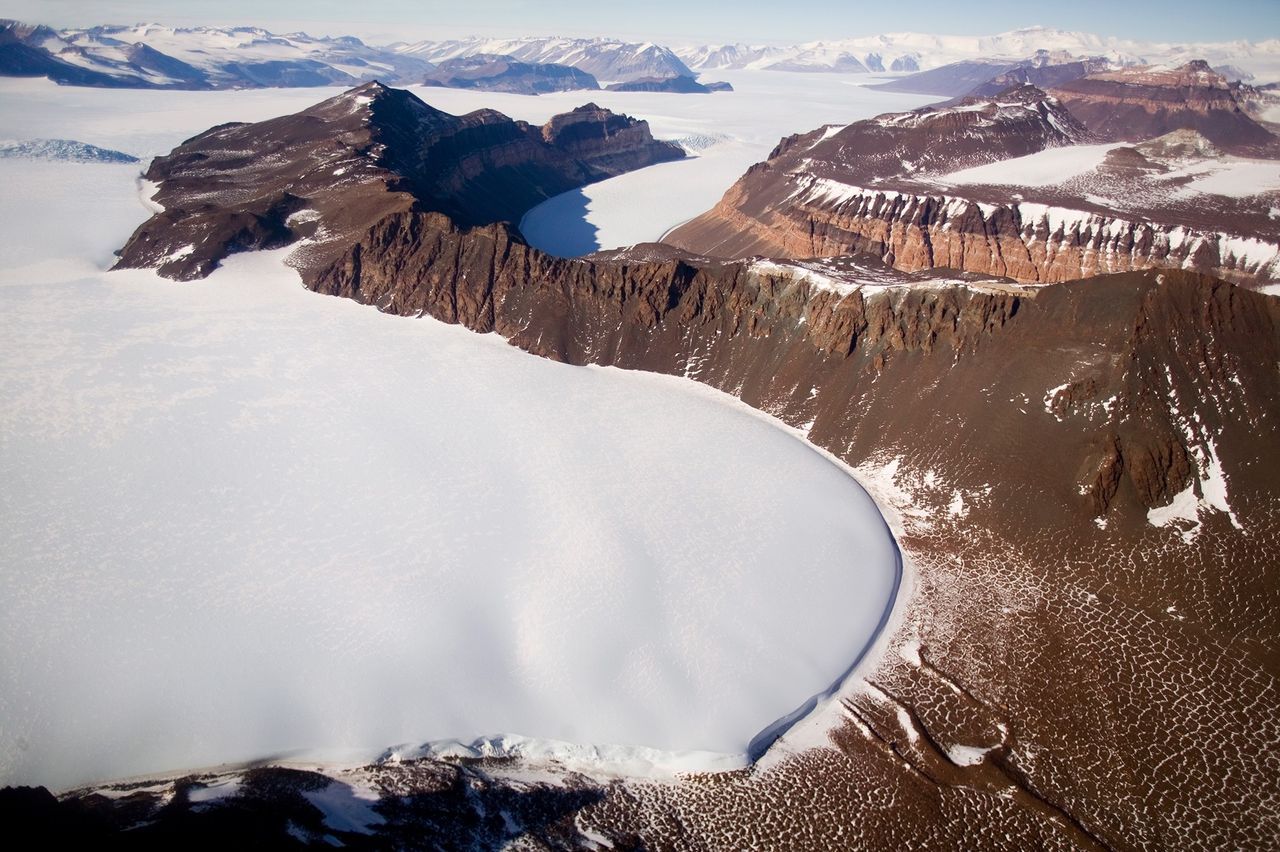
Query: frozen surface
(1233, 176)
(240, 518)
(1049, 167)
(1261, 58)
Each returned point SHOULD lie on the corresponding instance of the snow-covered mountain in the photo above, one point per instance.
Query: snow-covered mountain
(609, 60)
(154, 56)
(710, 57)
(920, 51)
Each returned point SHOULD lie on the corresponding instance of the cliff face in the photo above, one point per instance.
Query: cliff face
(1027, 241)
(784, 338)
(1084, 474)
(894, 188)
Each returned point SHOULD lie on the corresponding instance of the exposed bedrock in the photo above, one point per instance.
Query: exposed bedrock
(1058, 644)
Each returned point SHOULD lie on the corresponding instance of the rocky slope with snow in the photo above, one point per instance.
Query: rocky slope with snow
(1081, 477)
(504, 74)
(910, 52)
(1138, 103)
(987, 77)
(1013, 186)
(154, 56)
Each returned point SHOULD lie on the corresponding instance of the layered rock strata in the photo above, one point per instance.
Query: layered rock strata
(882, 187)
(1133, 104)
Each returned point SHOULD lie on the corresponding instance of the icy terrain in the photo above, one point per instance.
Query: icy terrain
(927, 50)
(241, 519)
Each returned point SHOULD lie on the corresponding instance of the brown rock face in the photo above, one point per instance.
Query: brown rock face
(352, 159)
(873, 188)
(1139, 103)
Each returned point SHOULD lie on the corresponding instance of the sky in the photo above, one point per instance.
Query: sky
(678, 21)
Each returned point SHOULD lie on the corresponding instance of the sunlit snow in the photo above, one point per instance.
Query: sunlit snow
(240, 518)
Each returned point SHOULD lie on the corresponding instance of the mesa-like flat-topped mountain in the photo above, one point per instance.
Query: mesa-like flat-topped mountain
(1012, 185)
(1133, 104)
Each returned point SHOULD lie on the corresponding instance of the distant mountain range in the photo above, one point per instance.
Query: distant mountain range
(609, 60)
(154, 56)
(896, 52)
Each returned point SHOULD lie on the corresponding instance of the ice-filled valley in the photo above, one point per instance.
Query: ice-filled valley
(241, 519)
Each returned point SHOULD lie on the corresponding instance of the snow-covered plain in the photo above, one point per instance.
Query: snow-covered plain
(1234, 177)
(240, 519)
(1049, 167)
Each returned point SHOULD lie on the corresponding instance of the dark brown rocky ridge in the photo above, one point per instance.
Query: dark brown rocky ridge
(355, 158)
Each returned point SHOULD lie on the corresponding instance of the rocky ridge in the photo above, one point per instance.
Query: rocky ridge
(1067, 457)
(676, 85)
(151, 56)
(611, 60)
(336, 167)
(1139, 103)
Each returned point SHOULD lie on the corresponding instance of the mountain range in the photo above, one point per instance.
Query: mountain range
(155, 56)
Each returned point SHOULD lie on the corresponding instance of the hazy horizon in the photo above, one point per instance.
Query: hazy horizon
(673, 22)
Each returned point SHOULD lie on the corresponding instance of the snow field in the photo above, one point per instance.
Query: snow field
(241, 519)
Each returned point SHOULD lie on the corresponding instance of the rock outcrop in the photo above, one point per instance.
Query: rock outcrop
(673, 85)
(355, 158)
(990, 77)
